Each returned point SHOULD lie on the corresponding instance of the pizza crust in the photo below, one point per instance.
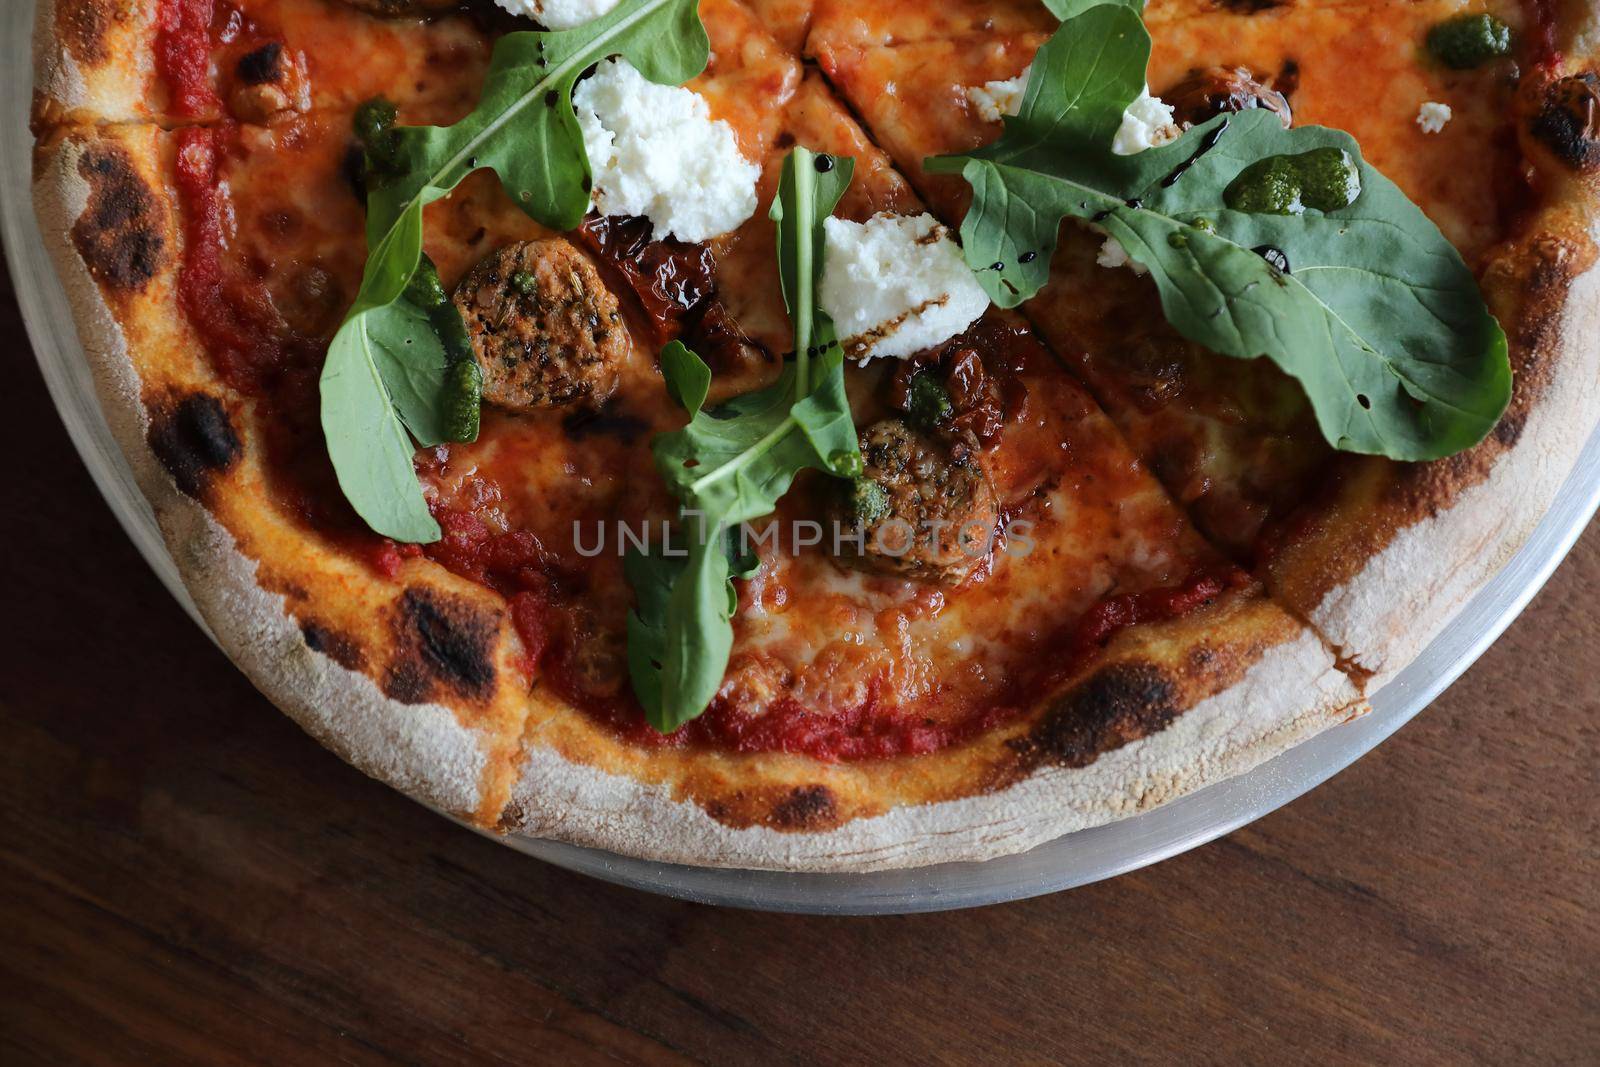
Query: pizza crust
(421, 749)
(1224, 736)
(93, 61)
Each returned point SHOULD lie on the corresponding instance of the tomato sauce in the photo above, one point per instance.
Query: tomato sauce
(244, 334)
(183, 54)
(1540, 38)
(253, 349)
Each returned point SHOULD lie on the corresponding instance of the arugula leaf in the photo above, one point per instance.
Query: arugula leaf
(681, 633)
(731, 464)
(1066, 9)
(412, 361)
(1377, 315)
(525, 130)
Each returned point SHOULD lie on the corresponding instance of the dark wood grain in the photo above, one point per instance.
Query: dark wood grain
(186, 878)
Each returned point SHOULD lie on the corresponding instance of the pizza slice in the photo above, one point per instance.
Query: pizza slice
(1093, 657)
(1235, 441)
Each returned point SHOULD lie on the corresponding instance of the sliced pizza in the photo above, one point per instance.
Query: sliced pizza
(609, 434)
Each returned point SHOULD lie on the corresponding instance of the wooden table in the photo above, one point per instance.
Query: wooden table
(185, 877)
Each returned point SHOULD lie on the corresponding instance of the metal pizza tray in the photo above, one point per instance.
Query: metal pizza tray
(1076, 859)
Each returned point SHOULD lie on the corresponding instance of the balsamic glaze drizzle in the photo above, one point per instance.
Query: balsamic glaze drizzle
(1274, 256)
(1207, 143)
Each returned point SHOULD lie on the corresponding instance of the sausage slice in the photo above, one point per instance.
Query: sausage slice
(924, 504)
(544, 327)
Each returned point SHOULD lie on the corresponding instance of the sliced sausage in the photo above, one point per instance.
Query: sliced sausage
(544, 327)
(924, 504)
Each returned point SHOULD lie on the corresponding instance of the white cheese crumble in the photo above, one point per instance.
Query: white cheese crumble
(1432, 116)
(656, 151)
(995, 99)
(895, 285)
(1113, 255)
(1146, 124)
(559, 14)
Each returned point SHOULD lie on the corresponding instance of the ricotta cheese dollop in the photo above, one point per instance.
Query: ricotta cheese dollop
(1113, 255)
(656, 151)
(1147, 122)
(895, 285)
(558, 14)
(996, 99)
(1432, 116)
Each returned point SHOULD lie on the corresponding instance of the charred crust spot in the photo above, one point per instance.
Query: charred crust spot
(1250, 7)
(1122, 703)
(336, 646)
(513, 817)
(806, 807)
(1568, 120)
(788, 809)
(441, 641)
(1509, 429)
(719, 811)
(406, 684)
(1547, 274)
(120, 234)
(194, 440)
(1538, 276)
(261, 66)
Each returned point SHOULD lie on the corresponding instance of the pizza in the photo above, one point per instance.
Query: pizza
(808, 435)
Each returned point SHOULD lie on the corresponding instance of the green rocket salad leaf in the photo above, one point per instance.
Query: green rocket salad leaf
(524, 129)
(1375, 314)
(1069, 9)
(731, 464)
